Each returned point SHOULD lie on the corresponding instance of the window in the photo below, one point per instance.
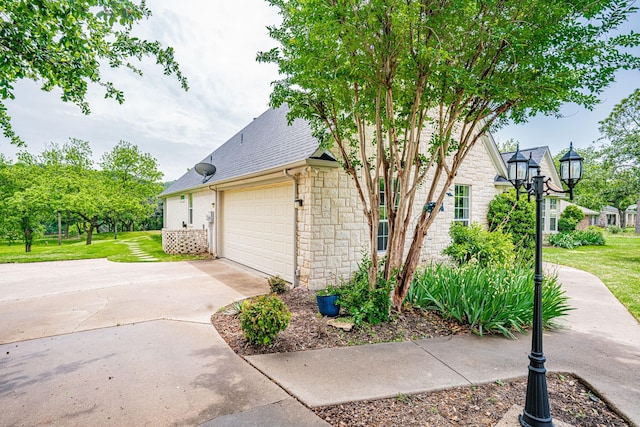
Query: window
(462, 204)
(383, 225)
(553, 214)
(190, 208)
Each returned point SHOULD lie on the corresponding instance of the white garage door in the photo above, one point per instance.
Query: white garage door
(257, 228)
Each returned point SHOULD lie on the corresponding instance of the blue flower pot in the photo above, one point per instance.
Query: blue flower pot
(327, 305)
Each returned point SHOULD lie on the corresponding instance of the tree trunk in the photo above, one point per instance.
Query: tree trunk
(28, 239)
(623, 218)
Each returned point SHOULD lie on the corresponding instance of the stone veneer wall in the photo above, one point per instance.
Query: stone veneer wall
(332, 229)
(184, 241)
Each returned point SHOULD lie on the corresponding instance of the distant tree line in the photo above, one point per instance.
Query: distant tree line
(63, 187)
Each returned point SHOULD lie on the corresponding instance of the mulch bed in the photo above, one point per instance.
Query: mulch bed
(570, 399)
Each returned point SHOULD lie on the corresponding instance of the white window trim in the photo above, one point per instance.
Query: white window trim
(455, 196)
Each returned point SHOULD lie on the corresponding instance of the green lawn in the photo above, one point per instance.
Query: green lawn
(617, 264)
(103, 246)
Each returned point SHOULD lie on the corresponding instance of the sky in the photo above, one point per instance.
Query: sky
(216, 43)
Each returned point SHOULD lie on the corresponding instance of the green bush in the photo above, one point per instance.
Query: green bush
(263, 318)
(364, 304)
(489, 300)
(614, 229)
(516, 217)
(277, 284)
(570, 218)
(475, 245)
(592, 236)
(566, 225)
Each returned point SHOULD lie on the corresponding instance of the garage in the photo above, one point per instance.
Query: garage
(257, 228)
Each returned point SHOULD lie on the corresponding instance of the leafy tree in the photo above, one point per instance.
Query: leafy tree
(622, 129)
(404, 89)
(23, 206)
(517, 217)
(64, 44)
(133, 180)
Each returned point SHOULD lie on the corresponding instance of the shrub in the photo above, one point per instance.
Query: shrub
(263, 318)
(364, 304)
(277, 284)
(566, 225)
(473, 244)
(516, 217)
(592, 236)
(614, 229)
(570, 218)
(495, 299)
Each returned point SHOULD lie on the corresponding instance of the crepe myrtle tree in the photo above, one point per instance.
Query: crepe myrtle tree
(65, 44)
(372, 76)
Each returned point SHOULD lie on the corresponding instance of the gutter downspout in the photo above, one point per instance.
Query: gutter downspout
(216, 222)
(295, 227)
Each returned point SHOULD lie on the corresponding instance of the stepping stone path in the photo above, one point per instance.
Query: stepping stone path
(139, 253)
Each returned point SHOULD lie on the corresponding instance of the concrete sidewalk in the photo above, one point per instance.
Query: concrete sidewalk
(600, 343)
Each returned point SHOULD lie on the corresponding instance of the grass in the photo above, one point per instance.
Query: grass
(617, 264)
(103, 246)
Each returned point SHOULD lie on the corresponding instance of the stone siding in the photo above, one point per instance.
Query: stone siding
(333, 232)
(184, 241)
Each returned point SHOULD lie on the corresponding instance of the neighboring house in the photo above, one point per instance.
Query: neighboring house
(610, 215)
(282, 206)
(552, 206)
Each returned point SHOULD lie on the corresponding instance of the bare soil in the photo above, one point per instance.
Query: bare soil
(484, 405)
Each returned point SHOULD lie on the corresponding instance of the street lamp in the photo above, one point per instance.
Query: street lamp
(521, 175)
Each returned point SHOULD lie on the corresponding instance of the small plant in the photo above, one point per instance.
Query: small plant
(614, 229)
(263, 318)
(329, 290)
(364, 303)
(277, 285)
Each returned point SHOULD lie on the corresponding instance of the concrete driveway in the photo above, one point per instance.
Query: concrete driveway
(99, 343)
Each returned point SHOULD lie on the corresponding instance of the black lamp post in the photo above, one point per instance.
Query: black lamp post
(536, 410)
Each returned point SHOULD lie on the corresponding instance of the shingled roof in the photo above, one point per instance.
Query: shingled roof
(536, 154)
(266, 143)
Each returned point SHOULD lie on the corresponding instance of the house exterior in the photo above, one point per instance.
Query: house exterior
(281, 205)
(610, 215)
(591, 217)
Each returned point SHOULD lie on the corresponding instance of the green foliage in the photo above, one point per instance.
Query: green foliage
(569, 240)
(614, 229)
(263, 318)
(573, 212)
(123, 192)
(489, 300)
(399, 67)
(361, 301)
(64, 45)
(474, 245)
(516, 217)
(570, 218)
(277, 285)
(329, 290)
